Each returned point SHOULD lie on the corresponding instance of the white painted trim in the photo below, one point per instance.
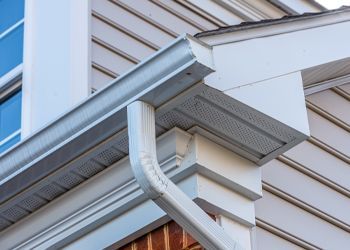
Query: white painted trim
(10, 137)
(80, 27)
(50, 89)
(13, 27)
(28, 53)
(320, 86)
(11, 75)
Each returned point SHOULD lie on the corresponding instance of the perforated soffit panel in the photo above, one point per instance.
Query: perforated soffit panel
(248, 132)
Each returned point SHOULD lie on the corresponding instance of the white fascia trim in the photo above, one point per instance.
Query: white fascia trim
(276, 28)
(158, 187)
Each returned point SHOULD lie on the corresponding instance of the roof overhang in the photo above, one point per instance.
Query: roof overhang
(192, 85)
(93, 135)
(159, 78)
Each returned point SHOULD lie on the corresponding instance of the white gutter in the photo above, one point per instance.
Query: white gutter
(144, 163)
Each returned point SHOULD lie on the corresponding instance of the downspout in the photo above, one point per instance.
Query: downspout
(144, 163)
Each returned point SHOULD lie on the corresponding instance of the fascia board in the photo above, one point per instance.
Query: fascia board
(275, 56)
(157, 79)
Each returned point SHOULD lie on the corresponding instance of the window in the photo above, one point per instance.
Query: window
(11, 12)
(11, 54)
(11, 34)
(11, 50)
(10, 121)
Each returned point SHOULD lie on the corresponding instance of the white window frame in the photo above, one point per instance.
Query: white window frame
(10, 82)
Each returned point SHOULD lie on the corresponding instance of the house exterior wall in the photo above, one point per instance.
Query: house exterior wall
(308, 185)
(306, 192)
(125, 32)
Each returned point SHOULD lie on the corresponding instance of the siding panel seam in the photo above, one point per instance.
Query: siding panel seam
(307, 207)
(145, 18)
(285, 235)
(104, 70)
(202, 13)
(179, 15)
(325, 114)
(329, 149)
(114, 50)
(341, 92)
(314, 175)
(124, 30)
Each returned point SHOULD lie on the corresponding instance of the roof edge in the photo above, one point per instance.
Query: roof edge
(245, 26)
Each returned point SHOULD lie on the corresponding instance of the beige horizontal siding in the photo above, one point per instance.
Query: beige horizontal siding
(329, 133)
(332, 204)
(345, 88)
(299, 223)
(111, 61)
(186, 14)
(334, 169)
(332, 103)
(267, 239)
(162, 17)
(135, 29)
(101, 76)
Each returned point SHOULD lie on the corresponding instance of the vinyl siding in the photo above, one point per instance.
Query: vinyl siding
(269, 241)
(345, 88)
(126, 31)
(306, 197)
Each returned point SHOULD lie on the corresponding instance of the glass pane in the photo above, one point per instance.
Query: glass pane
(11, 11)
(10, 115)
(11, 50)
(10, 143)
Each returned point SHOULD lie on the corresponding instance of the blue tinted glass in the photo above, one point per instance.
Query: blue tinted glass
(10, 115)
(11, 50)
(11, 11)
(10, 143)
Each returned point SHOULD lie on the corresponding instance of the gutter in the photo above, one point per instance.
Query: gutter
(157, 79)
(158, 187)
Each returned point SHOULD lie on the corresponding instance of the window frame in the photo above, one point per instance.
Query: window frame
(10, 83)
(9, 87)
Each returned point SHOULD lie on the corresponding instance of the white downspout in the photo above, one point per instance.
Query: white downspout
(144, 163)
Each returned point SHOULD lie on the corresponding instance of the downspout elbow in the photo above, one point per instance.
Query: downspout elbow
(158, 187)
